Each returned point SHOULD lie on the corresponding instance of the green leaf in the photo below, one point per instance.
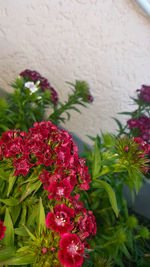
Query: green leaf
(30, 188)
(68, 115)
(4, 174)
(21, 231)
(126, 113)
(74, 108)
(23, 249)
(4, 127)
(109, 140)
(41, 219)
(111, 195)
(9, 201)
(6, 254)
(9, 234)
(12, 180)
(118, 123)
(136, 178)
(91, 138)
(19, 260)
(125, 251)
(32, 215)
(96, 160)
(15, 212)
(29, 233)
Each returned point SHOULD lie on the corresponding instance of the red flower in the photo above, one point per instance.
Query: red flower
(61, 220)
(133, 123)
(46, 157)
(144, 93)
(14, 147)
(72, 249)
(87, 225)
(22, 165)
(1, 142)
(2, 230)
(84, 176)
(143, 145)
(77, 205)
(45, 179)
(59, 189)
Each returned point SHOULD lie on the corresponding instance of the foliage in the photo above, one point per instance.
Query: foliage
(42, 222)
(139, 123)
(120, 239)
(32, 95)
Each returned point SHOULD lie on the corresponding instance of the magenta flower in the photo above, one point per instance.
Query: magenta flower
(61, 219)
(133, 123)
(2, 230)
(58, 190)
(87, 225)
(71, 252)
(77, 205)
(144, 93)
(45, 179)
(22, 165)
(143, 145)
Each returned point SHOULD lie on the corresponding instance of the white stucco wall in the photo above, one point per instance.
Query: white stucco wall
(105, 42)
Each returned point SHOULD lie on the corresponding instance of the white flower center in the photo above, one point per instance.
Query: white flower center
(72, 248)
(31, 86)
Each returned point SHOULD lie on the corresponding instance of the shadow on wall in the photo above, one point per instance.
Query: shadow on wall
(141, 201)
(2, 93)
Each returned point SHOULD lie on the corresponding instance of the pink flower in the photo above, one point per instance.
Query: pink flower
(2, 230)
(44, 250)
(61, 219)
(126, 149)
(72, 249)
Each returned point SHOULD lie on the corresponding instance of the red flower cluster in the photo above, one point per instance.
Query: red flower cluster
(31, 75)
(143, 125)
(144, 93)
(2, 230)
(63, 171)
(74, 224)
(143, 145)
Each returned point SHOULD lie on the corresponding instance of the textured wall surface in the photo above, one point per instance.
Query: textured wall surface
(105, 42)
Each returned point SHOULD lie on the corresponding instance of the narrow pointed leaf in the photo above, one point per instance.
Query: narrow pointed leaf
(6, 254)
(9, 234)
(12, 180)
(9, 201)
(29, 233)
(30, 188)
(41, 214)
(111, 195)
(96, 160)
